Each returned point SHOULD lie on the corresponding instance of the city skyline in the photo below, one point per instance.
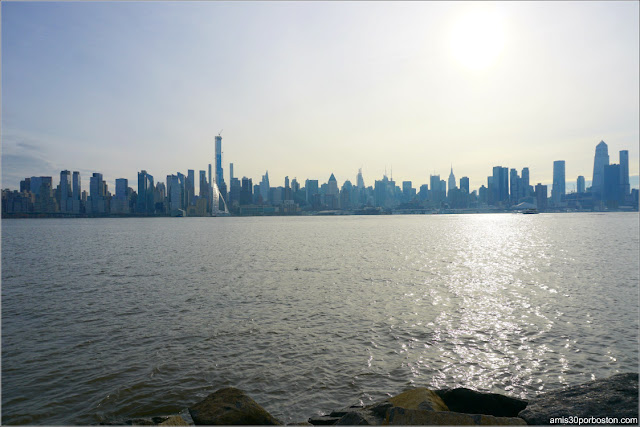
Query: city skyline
(117, 88)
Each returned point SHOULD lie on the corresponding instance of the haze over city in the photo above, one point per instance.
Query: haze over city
(309, 89)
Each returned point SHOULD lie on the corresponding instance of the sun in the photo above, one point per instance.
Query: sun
(477, 39)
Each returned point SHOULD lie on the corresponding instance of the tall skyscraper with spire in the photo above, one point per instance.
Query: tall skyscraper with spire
(451, 181)
(218, 157)
(360, 180)
(600, 161)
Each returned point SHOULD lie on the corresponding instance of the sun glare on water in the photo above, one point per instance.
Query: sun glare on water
(477, 39)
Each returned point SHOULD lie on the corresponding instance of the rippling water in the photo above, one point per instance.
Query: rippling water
(107, 319)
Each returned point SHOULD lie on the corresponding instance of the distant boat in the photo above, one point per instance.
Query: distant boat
(530, 211)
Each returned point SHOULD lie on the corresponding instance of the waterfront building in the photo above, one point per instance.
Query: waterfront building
(264, 187)
(525, 186)
(120, 202)
(246, 194)
(514, 187)
(558, 189)
(66, 204)
(452, 181)
(600, 160)
(311, 189)
(580, 184)
(234, 193)
(611, 187)
(624, 174)
(230, 173)
(175, 194)
(464, 184)
(483, 194)
(76, 195)
(190, 188)
(500, 185)
(35, 182)
(25, 185)
(541, 196)
(145, 203)
(424, 192)
(407, 187)
(44, 200)
(332, 193)
(434, 194)
(98, 202)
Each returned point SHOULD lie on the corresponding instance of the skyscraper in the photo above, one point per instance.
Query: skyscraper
(434, 184)
(264, 187)
(464, 184)
(611, 194)
(65, 191)
(77, 192)
(581, 184)
(451, 181)
(558, 188)
(190, 187)
(599, 162)
(219, 178)
(624, 174)
(145, 193)
(524, 183)
(500, 184)
(514, 184)
(360, 180)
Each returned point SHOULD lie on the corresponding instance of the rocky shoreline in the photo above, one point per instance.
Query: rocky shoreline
(612, 400)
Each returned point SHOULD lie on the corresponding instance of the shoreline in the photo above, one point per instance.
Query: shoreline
(612, 400)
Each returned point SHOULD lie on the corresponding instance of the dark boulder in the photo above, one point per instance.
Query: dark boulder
(230, 406)
(475, 402)
(613, 397)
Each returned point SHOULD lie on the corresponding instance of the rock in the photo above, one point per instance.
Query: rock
(353, 419)
(402, 416)
(175, 420)
(613, 397)
(475, 402)
(230, 406)
(418, 398)
(324, 420)
(140, 422)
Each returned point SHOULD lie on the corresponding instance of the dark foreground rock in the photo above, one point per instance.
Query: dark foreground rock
(613, 397)
(419, 406)
(475, 402)
(230, 406)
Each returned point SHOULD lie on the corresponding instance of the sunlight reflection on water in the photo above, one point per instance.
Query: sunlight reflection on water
(142, 316)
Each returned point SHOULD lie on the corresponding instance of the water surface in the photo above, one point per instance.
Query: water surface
(108, 319)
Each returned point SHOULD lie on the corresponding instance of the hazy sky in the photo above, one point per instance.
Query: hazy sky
(306, 89)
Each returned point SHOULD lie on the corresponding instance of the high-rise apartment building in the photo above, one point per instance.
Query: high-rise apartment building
(77, 190)
(190, 188)
(558, 190)
(541, 196)
(600, 160)
(580, 184)
(464, 184)
(524, 183)
(625, 188)
(514, 187)
(500, 185)
(65, 191)
(145, 202)
(611, 188)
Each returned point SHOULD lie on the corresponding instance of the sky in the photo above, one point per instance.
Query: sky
(306, 89)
